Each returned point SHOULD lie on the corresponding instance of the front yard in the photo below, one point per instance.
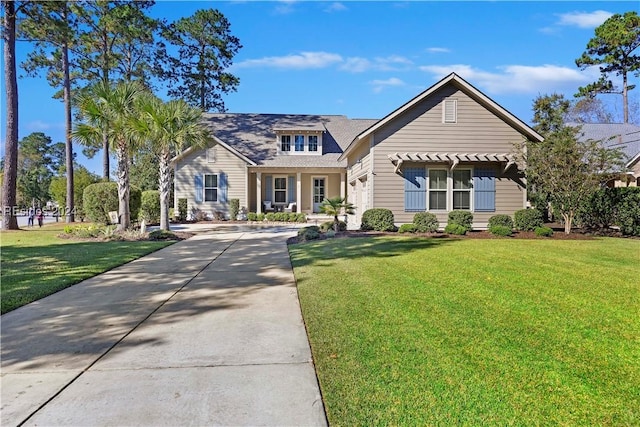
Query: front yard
(37, 263)
(410, 331)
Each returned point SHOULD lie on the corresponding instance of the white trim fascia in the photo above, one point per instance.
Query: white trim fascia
(217, 141)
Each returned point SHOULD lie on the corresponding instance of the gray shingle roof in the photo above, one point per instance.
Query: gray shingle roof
(614, 135)
(253, 135)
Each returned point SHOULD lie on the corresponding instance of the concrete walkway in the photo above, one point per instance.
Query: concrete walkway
(207, 331)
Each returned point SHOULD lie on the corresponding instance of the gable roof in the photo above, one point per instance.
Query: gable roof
(253, 136)
(467, 88)
(623, 136)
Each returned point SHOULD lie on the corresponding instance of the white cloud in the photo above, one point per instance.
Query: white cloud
(335, 7)
(519, 78)
(584, 19)
(303, 60)
(284, 7)
(379, 85)
(390, 63)
(438, 50)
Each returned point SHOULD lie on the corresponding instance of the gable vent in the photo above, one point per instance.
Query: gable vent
(450, 111)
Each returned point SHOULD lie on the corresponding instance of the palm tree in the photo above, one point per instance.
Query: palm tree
(111, 109)
(169, 127)
(335, 206)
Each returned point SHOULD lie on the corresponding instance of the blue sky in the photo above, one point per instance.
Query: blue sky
(365, 59)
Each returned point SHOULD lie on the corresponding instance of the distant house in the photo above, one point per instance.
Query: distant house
(448, 148)
(623, 136)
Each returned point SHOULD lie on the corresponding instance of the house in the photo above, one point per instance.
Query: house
(448, 148)
(623, 136)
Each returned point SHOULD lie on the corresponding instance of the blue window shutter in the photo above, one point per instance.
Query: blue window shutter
(268, 188)
(484, 189)
(415, 190)
(292, 189)
(222, 187)
(199, 188)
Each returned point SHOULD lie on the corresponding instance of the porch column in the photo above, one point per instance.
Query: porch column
(343, 185)
(299, 192)
(258, 192)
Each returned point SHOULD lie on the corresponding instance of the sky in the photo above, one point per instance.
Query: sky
(365, 59)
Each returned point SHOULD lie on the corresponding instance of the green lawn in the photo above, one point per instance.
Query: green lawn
(36, 263)
(410, 331)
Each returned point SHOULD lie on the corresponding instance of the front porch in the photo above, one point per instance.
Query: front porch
(299, 190)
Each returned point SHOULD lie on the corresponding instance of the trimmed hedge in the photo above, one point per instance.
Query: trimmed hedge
(150, 206)
(613, 206)
(500, 230)
(378, 219)
(309, 233)
(182, 210)
(426, 222)
(528, 219)
(102, 197)
(456, 229)
(408, 228)
(543, 232)
(462, 218)
(234, 209)
(503, 220)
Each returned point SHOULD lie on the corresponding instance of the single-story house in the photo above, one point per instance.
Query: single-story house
(451, 147)
(623, 136)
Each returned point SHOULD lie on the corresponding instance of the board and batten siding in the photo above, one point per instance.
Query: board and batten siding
(421, 129)
(196, 163)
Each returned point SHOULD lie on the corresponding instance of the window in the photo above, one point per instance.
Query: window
(285, 143)
(211, 155)
(280, 190)
(211, 188)
(438, 189)
(313, 143)
(462, 189)
(450, 111)
(299, 141)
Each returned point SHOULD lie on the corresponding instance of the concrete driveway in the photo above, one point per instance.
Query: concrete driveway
(207, 331)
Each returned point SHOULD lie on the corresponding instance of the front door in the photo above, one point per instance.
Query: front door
(318, 193)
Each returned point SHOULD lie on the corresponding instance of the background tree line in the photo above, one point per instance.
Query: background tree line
(78, 45)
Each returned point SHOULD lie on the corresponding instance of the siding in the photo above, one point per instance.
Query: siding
(420, 129)
(196, 164)
(355, 169)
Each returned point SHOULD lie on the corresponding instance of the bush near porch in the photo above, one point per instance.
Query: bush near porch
(414, 331)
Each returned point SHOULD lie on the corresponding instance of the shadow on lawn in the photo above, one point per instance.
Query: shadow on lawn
(315, 253)
(72, 328)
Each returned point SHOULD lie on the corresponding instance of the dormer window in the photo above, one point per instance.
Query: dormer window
(299, 142)
(313, 142)
(285, 143)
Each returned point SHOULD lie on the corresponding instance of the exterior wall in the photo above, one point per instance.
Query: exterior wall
(196, 164)
(420, 129)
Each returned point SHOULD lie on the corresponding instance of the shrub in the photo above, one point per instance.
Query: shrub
(456, 229)
(628, 212)
(234, 208)
(150, 206)
(252, 216)
(261, 217)
(102, 197)
(219, 215)
(408, 228)
(528, 219)
(162, 235)
(300, 217)
(270, 216)
(182, 210)
(199, 215)
(544, 232)
(292, 217)
(309, 233)
(463, 218)
(281, 216)
(612, 206)
(503, 220)
(378, 219)
(500, 230)
(326, 226)
(426, 222)
(330, 233)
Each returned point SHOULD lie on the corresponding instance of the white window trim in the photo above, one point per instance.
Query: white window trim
(454, 103)
(446, 190)
(205, 188)
(292, 143)
(308, 145)
(470, 190)
(286, 189)
(326, 187)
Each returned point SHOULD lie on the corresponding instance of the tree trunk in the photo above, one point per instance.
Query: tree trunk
(568, 220)
(336, 223)
(124, 214)
(163, 186)
(105, 158)
(625, 100)
(9, 220)
(70, 214)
